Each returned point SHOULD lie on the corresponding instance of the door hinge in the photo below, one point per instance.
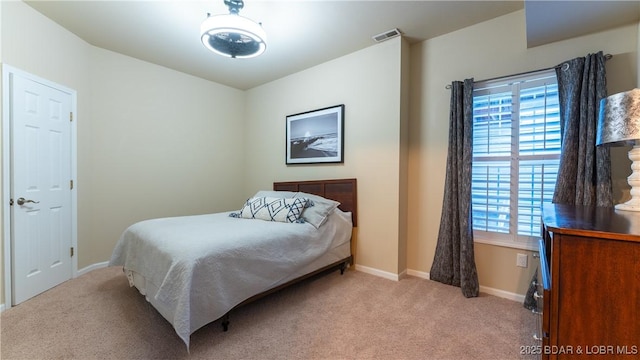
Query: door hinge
(71, 251)
(70, 116)
(70, 184)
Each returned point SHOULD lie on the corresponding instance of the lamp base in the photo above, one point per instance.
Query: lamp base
(628, 206)
(633, 180)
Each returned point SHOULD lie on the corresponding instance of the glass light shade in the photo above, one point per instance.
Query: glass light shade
(233, 36)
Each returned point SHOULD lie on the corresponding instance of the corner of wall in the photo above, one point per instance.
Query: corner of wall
(638, 56)
(372, 139)
(403, 206)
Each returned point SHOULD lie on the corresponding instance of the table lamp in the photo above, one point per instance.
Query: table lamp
(619, 125)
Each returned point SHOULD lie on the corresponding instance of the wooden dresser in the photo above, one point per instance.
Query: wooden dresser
(591, 299)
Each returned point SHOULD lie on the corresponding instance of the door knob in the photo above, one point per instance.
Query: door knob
(22, 201)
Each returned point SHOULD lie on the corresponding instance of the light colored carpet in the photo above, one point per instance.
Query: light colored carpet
(354, 316)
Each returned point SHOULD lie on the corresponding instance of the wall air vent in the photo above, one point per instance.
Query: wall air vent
(386, 35)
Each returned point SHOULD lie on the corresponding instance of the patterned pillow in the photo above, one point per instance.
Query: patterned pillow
(273, 209)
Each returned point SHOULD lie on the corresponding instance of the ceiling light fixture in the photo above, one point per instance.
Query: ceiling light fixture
(233, 35)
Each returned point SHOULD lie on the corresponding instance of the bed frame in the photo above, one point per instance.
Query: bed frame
(342, 190)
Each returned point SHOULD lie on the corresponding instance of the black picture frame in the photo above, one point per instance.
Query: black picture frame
(316, 137)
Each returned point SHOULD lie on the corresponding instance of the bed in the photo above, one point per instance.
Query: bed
(196, 269)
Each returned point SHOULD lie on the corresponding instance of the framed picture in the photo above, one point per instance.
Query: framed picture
(316, 136)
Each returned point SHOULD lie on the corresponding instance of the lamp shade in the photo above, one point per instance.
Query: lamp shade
(619, 124)
(619, 120)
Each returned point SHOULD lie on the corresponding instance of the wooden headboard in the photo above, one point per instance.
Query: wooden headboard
(345, 191)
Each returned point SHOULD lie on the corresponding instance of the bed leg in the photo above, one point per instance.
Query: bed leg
(343, 267)
(225, 322)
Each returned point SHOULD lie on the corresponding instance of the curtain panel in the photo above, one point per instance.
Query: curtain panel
(454, 261)
(584, 175)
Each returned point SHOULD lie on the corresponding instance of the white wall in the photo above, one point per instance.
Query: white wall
(162, 143)
(487, 50)
(151, 141)
(368, 83)
(61, 59)
(155, 142)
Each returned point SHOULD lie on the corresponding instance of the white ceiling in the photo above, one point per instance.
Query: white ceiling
(549, 21)
(304, 33)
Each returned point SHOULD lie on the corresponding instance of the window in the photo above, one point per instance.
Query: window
(516, 152)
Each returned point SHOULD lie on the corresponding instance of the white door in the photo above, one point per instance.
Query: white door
(40, 187)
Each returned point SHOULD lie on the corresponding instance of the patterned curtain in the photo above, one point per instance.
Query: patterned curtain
(584, 176)
(454, 262)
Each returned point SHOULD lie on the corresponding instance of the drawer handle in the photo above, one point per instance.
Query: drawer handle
(537, 296)
(535, 255)
(536, 338)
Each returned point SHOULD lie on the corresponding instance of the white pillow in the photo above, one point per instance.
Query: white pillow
(272, 209)
(317, 208)
(275, 194)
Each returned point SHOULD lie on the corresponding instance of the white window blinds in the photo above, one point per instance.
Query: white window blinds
(516, 151)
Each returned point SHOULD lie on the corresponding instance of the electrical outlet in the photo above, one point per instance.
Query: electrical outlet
(521, 260)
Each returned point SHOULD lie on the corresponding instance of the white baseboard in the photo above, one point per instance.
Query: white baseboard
(92, 267)
(425, 275)
(501, 293)
(420, 274)
(79, 273)
(403, 274)
(379, 273)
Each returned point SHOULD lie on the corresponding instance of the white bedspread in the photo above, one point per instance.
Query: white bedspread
(205, 265)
